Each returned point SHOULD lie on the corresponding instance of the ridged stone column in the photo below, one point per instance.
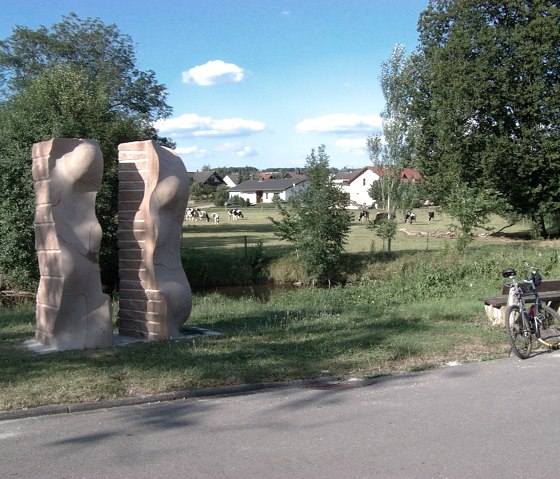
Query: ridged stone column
(72, 312)
(154, 295)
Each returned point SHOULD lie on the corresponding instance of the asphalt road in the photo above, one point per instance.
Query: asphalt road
(495, 419)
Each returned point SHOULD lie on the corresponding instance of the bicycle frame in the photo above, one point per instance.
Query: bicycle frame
(534, 322)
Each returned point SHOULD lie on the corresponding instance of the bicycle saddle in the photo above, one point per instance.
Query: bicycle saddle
(508, 273)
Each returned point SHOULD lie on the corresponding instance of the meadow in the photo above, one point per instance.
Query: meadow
(413, 309)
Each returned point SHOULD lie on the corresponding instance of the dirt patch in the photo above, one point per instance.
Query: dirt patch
(431, 234)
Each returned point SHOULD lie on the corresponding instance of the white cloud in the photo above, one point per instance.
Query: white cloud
(237, 149)
(191, 151)
(355, 146)
(246, 152)
(193, 125)
(213, 73)
(340, 123)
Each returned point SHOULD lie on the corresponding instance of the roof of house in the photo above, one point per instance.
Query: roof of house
(347, 177)
(268, 185)
(233, 177)
(410, 174)
(202, 177)
(295, 174)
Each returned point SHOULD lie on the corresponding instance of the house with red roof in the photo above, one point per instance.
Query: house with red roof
(358, 182)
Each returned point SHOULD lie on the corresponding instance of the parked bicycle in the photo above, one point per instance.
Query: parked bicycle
(525, 326)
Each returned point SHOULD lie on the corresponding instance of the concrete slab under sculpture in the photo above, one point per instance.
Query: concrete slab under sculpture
(72, 312)
(155, 297)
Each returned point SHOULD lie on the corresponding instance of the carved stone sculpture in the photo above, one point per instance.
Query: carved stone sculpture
(72, 311)
(155, 297)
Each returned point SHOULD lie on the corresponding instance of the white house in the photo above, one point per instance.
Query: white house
(357, 183)
(231, 179)
(257, 191)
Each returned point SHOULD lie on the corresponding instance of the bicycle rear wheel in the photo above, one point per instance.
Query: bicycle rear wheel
(550, 327)
(518, 332)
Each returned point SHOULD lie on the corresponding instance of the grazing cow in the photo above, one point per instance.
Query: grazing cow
(235, 214)
(215, 218)
(203, 216)
(409, 217)
(380, 217)
(189, 214)
(431, 215)
(364, 215)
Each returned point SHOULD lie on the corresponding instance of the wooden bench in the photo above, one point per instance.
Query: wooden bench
(549, 292)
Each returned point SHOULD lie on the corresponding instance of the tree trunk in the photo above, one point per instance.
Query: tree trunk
(539, 227)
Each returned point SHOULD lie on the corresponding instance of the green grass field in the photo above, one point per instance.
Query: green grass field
(415, 309)
(256, 226)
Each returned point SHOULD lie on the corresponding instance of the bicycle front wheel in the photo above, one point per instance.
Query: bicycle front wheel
(518, 332)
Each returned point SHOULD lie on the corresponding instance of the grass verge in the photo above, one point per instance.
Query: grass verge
(405, 311)
(401, 319)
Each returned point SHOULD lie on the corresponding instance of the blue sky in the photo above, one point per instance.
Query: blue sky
(256, 82)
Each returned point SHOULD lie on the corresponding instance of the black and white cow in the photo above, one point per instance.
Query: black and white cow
(431, 215)
(203, 216)
(189, 214)
(235, 214)
(364, 215)
(409, 217)
(215, 218)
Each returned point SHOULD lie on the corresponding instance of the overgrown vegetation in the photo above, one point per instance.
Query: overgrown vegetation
(412, 309)
(75, 80)
(484, 90)
(408, 312)
(316, 220)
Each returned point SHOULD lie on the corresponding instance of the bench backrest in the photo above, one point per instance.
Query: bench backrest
(546, 285)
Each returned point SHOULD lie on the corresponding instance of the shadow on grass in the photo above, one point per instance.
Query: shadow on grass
(238, 227)
(253, 348)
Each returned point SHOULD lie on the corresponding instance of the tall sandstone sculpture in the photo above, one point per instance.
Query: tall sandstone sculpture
(155, 297)
(72, 312)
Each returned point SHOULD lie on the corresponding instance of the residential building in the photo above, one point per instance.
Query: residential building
(210, 178)
(257, 191)
(358, 182)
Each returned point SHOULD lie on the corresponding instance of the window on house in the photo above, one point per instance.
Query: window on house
(364, 182)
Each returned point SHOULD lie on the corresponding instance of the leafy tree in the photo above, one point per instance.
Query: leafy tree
(486, 101)
(471, 209)
(316, 220)
(237, 201)
(209, 191)
(77, 80)
(386, 230)
(196, 191)
(391, 152)
(221, 195)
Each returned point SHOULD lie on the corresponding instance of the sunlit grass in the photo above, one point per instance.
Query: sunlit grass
(415, 309)
(294, 335)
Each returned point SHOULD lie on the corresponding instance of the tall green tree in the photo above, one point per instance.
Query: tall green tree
(78, 80)
(486, 101)
(390, 152)
(316, 220)
(59, 103)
